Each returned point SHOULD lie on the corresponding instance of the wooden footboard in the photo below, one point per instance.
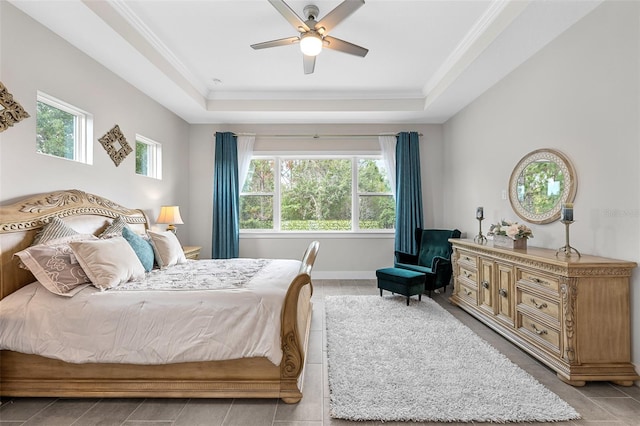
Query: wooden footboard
(296, 323)
(35, 376)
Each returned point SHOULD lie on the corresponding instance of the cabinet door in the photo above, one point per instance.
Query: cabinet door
(486, 289)
(506, 298)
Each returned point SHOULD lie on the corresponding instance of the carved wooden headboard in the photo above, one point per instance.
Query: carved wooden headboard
(84, 212)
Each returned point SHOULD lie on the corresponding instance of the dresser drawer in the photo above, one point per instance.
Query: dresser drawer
(541, 334)
(469, 294)
(468, 275)
(468, 260)
(538, 280)
(539, 305)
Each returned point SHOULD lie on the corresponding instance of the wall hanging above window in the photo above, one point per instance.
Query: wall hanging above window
(116, 145)
(10, 111)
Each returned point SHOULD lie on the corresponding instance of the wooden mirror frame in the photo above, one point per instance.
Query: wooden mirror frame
(568, 191)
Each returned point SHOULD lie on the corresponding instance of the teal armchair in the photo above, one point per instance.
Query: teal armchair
(433, 258)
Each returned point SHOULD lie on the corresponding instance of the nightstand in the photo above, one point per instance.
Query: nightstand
(191, 252)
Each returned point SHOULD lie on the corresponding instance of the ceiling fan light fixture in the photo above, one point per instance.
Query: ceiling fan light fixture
(310, 44)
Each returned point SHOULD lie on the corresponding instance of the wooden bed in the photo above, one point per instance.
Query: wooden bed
(36, 376)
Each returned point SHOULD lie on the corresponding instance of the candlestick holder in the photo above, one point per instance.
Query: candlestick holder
(480, 239)
(567, 249)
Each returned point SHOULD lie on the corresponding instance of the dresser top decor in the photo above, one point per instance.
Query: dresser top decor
(513, 230)
(510, 234)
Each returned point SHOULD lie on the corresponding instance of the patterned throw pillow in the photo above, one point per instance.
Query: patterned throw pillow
(108, 262)
(55, 229)
(55, 267)
(142, 247)
(54, 233)
(115, 228)
(167, 248)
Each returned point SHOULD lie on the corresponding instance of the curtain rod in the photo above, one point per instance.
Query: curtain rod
(316, 135)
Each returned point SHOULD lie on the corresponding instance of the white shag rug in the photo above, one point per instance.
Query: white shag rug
(393, 362)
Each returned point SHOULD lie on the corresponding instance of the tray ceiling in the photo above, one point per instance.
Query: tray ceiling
(427, 59)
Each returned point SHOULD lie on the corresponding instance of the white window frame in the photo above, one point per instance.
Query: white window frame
(83, 131)
(154, 168)
(355, 194)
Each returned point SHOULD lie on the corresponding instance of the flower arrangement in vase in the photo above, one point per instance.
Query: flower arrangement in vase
(510, 234)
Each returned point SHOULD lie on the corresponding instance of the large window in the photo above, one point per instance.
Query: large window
(148, 157)
(63, 130)
(317, 194)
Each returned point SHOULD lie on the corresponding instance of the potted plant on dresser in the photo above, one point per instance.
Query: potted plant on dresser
(510, 234)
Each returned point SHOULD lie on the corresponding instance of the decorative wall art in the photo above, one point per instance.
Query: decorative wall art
(116, 145)
(11, 111)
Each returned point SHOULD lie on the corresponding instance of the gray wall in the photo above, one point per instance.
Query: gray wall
(580, 95)
(32, 59)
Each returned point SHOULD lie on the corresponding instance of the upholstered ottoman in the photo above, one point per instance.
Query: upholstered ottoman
(401, 281)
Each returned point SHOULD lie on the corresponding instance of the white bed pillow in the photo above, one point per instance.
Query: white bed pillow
(55, 267)
(109, 262)
(167, 248)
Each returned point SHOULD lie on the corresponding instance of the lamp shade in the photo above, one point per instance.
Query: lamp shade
(170, 215)
(310, 44)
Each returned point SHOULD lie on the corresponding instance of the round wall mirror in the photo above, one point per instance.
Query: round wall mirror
(540, 183)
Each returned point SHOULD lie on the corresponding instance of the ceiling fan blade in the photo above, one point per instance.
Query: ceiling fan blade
(274, 43)
(288, 13)
(337, 15)
(344, 46)
(309, 63)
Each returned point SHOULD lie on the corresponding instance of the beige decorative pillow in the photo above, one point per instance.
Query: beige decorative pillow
(108, 263)
(55, 267)
(57, 242)
(167, 248)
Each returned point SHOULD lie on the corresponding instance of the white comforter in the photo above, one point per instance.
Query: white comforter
(238, 320)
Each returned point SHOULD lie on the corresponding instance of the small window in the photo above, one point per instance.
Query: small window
(148, 157)
(63, 130)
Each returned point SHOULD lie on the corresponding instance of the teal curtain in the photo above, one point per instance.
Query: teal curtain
(408, 192)
(226, 198)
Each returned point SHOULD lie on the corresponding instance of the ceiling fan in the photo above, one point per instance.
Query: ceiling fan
(313, 35)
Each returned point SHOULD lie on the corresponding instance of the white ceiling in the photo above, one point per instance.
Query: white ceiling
(427, 58)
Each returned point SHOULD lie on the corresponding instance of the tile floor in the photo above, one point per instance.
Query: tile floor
(599, 403)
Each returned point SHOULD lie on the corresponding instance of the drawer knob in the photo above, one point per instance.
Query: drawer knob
(485, 284)
(502, 292)
(538, 332)
(467, 274)
(537, 305)
(468, 292)
(539, 281)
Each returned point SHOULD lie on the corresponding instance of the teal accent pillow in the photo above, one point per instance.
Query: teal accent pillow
(142, 247)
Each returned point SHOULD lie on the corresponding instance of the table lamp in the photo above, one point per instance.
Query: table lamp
(170, 215)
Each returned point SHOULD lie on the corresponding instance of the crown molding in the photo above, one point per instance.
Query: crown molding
(499, 15)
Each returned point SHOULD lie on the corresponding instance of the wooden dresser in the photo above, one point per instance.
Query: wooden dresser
(571, 313)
